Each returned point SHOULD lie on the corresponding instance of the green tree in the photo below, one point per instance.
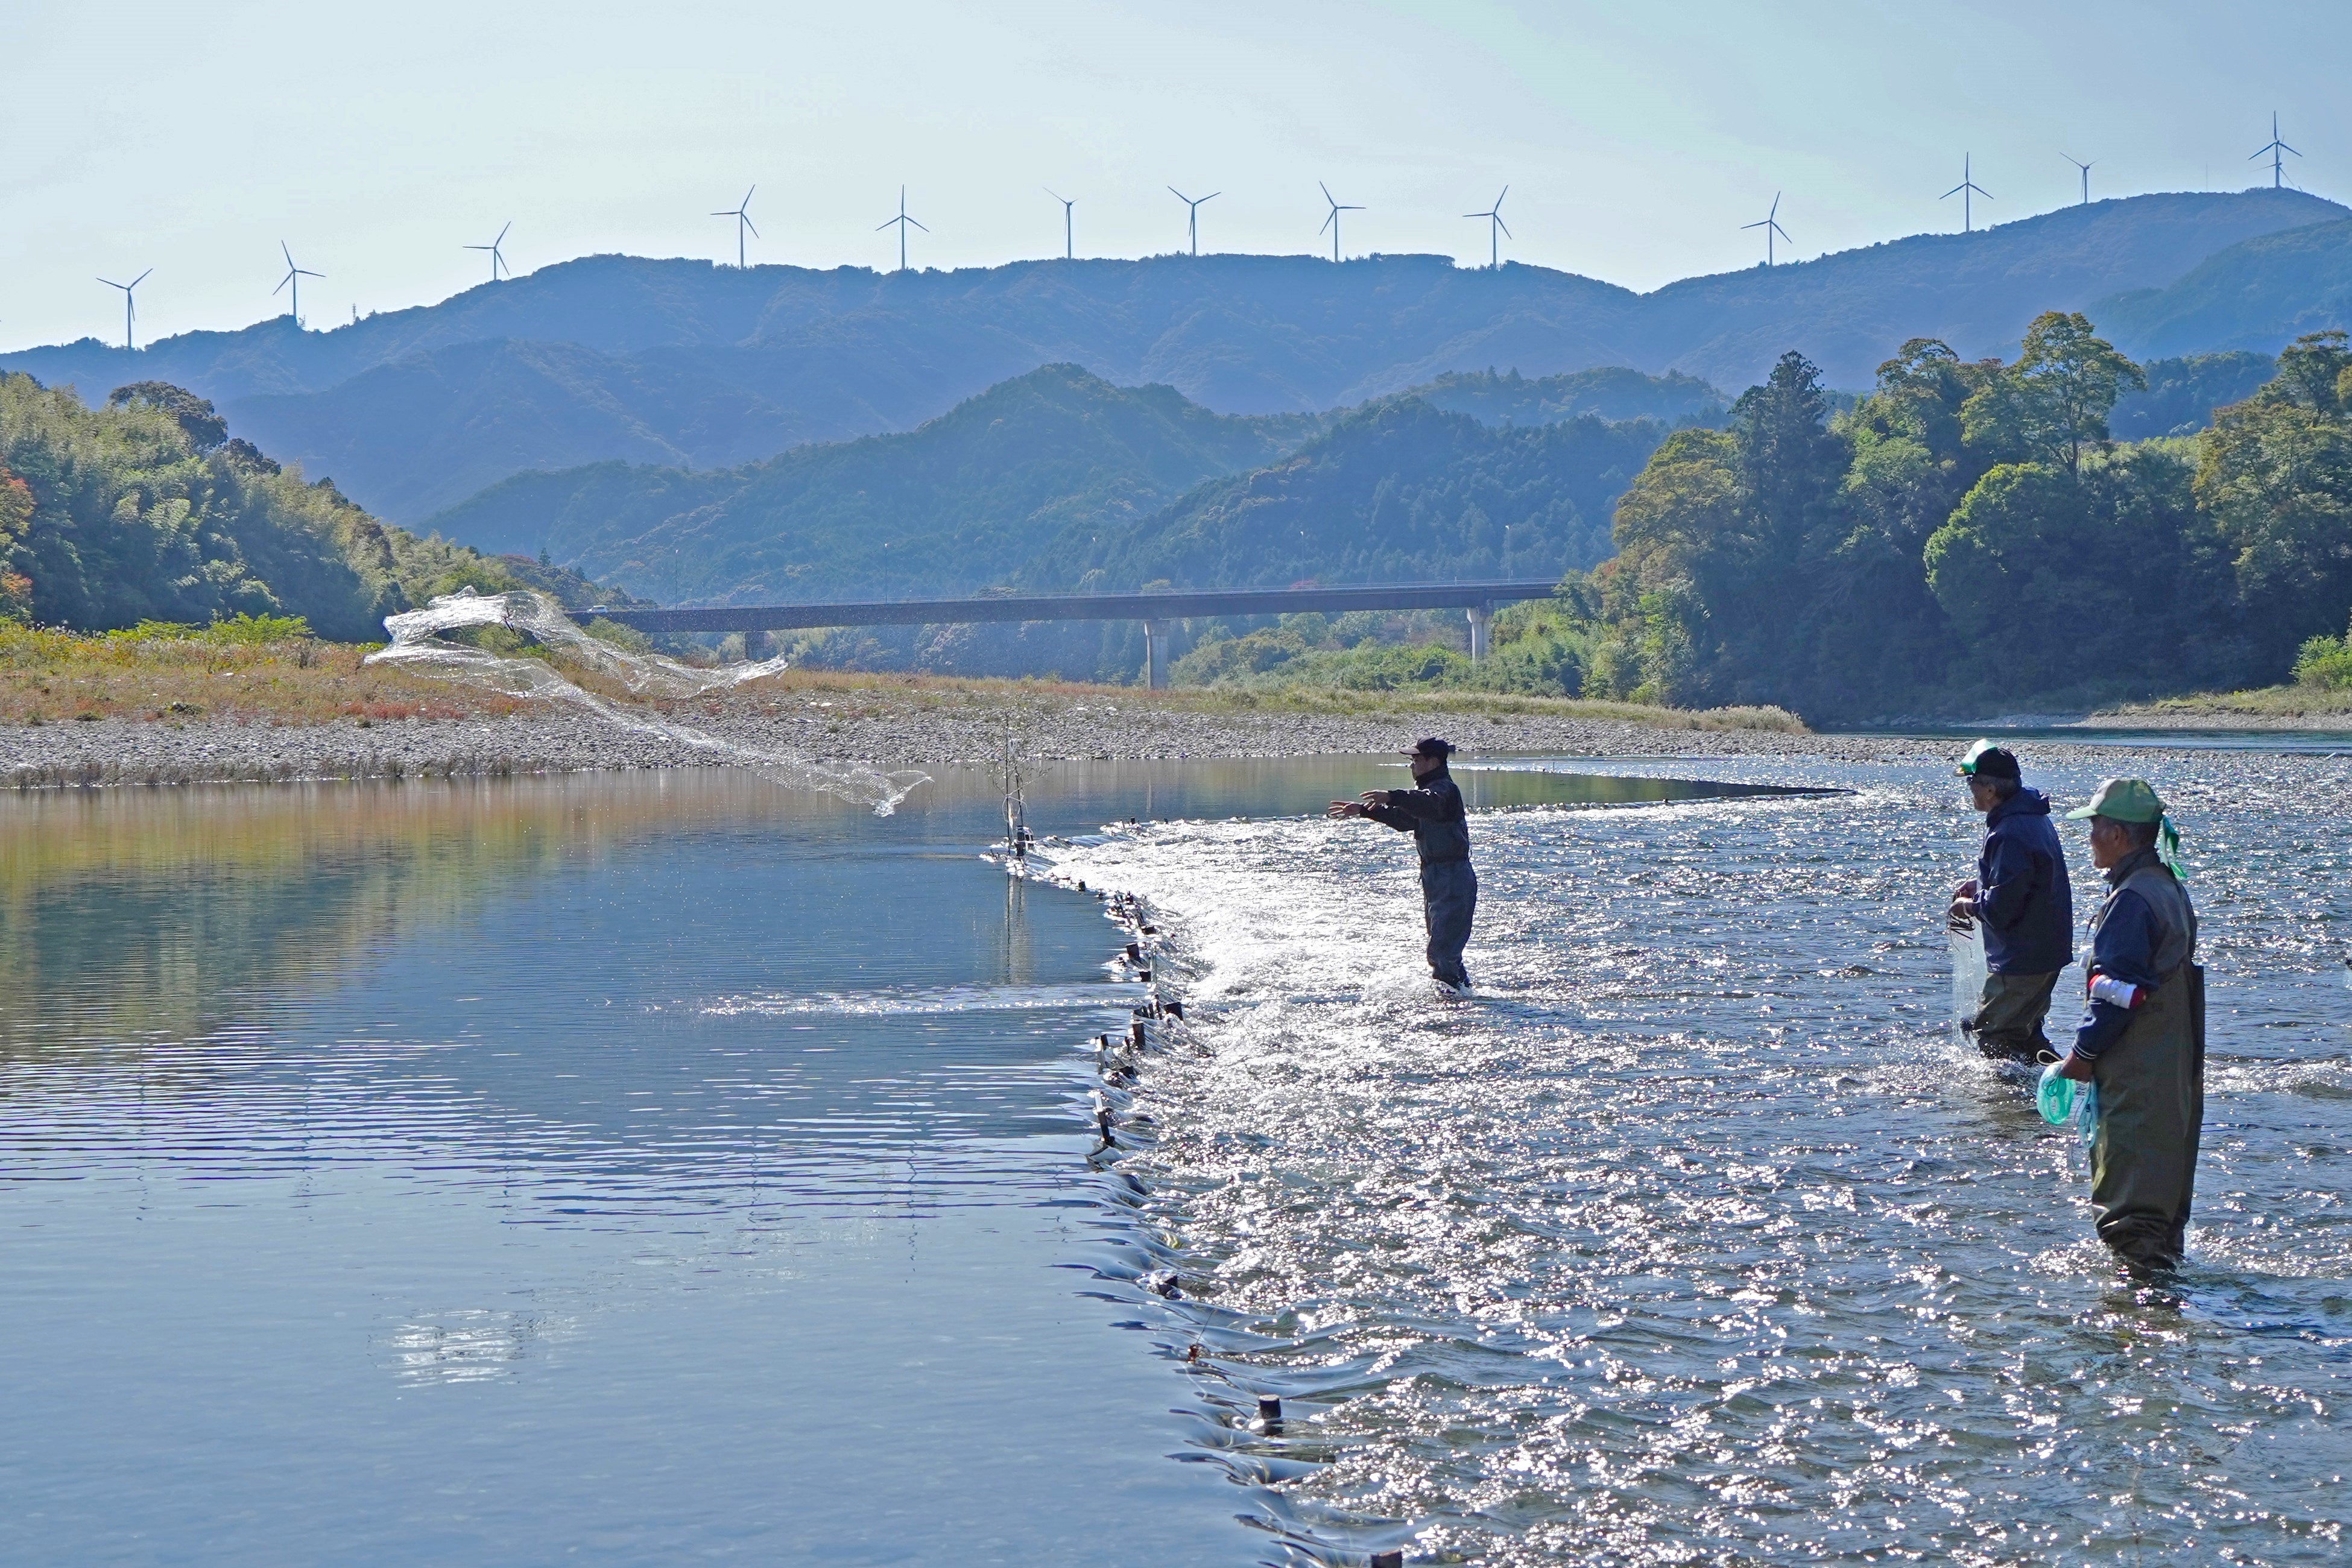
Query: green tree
(2276, 478)
(2054, 404)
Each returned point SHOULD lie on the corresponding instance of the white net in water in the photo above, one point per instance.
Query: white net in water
(1968, 975)
(417, 644)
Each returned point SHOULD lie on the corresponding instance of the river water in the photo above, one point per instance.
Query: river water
(652, 1168)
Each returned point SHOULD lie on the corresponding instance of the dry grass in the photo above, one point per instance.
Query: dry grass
(2269, 702)
(51, 677)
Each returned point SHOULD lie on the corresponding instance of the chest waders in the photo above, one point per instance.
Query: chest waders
(2152, 1092)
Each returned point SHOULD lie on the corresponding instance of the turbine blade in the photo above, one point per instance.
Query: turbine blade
(918, 224)
(140, 279)
(747, 195)
(752, 227)
(1327, 191)
(1329, 221)
(1212, 195)
(1954, 191)
(880, 226)
(1498, 200)
(502, 235)
(281, 284)
(1179, 195)
(1049, 191)
(288, 255)
(1504, 226)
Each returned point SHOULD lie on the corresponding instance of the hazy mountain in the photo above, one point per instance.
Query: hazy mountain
(682, 361)
(1612, 392)
(1400, 491)
(2257, 294)
(954, 505)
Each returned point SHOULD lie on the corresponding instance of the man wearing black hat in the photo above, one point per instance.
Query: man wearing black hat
(2022, 900)
(1432, 811)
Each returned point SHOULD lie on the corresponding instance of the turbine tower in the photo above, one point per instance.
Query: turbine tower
(1067, 250)
(2086, 174)
(498, 256)
(741, 213)
(1770, 224)
(1332, 223)
(902, 220)
(1493, 217)
(1966, 189)
(294, 276)
(2278, 169)
(1192, 216)
(130, 314)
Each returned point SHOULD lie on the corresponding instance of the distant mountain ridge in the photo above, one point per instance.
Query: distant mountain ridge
(689, 365)
(1050, 475)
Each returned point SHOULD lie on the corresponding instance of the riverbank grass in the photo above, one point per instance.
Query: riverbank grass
(270, 671)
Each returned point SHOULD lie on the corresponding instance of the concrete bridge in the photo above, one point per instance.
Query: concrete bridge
(1155, 610)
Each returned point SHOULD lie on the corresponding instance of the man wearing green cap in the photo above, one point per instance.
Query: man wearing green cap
(2142, 1040)
(2021, 900)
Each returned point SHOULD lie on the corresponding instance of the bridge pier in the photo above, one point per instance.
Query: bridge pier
(1479, 616)
(1155, 654)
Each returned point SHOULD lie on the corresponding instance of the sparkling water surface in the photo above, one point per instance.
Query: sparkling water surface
(1696, 1238)
(652, 1168)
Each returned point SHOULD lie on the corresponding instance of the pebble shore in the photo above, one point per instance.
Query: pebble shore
(885, 728)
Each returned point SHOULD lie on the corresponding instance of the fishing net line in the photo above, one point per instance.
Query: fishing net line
(417, 643)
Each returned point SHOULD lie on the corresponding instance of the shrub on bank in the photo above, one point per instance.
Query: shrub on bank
(2326, 662)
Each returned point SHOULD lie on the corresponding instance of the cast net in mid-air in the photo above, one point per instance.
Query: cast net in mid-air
(418, 643)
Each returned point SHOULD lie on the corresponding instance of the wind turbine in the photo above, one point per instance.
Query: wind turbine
(294, 276)
(1332, 223)
(130, 313)
(2086, 174)
(1965, 190)
(2278, 170)
(1192, 217)
(1067, 250)
(498, 256)
(1493, 217)
(902, 220)
(741, 214)
(1770, 224)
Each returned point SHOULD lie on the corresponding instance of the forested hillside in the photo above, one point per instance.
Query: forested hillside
(1399, 492)
(1970, 534)
(1043, 464)
(1609, 392)
(684, 363)
(148, 510)
(2256, 294)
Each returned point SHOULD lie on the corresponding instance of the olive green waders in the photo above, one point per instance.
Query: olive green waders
(2151, 1110)
(2010, 1011)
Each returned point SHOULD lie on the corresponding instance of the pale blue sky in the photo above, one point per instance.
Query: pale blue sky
(379, 139)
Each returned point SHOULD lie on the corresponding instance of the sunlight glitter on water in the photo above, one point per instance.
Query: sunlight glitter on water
(1696, 1236)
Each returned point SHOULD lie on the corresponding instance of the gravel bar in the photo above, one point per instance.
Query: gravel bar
(885, 729)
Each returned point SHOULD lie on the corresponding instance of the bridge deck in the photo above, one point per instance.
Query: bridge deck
(1156, 606)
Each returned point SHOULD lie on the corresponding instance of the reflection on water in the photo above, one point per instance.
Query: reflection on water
(1694, 1238)
(655, 1168)
(663, 1167)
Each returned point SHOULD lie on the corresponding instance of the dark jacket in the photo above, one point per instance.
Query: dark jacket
(2143, 934)
(1432, 813)
(2024, 902)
